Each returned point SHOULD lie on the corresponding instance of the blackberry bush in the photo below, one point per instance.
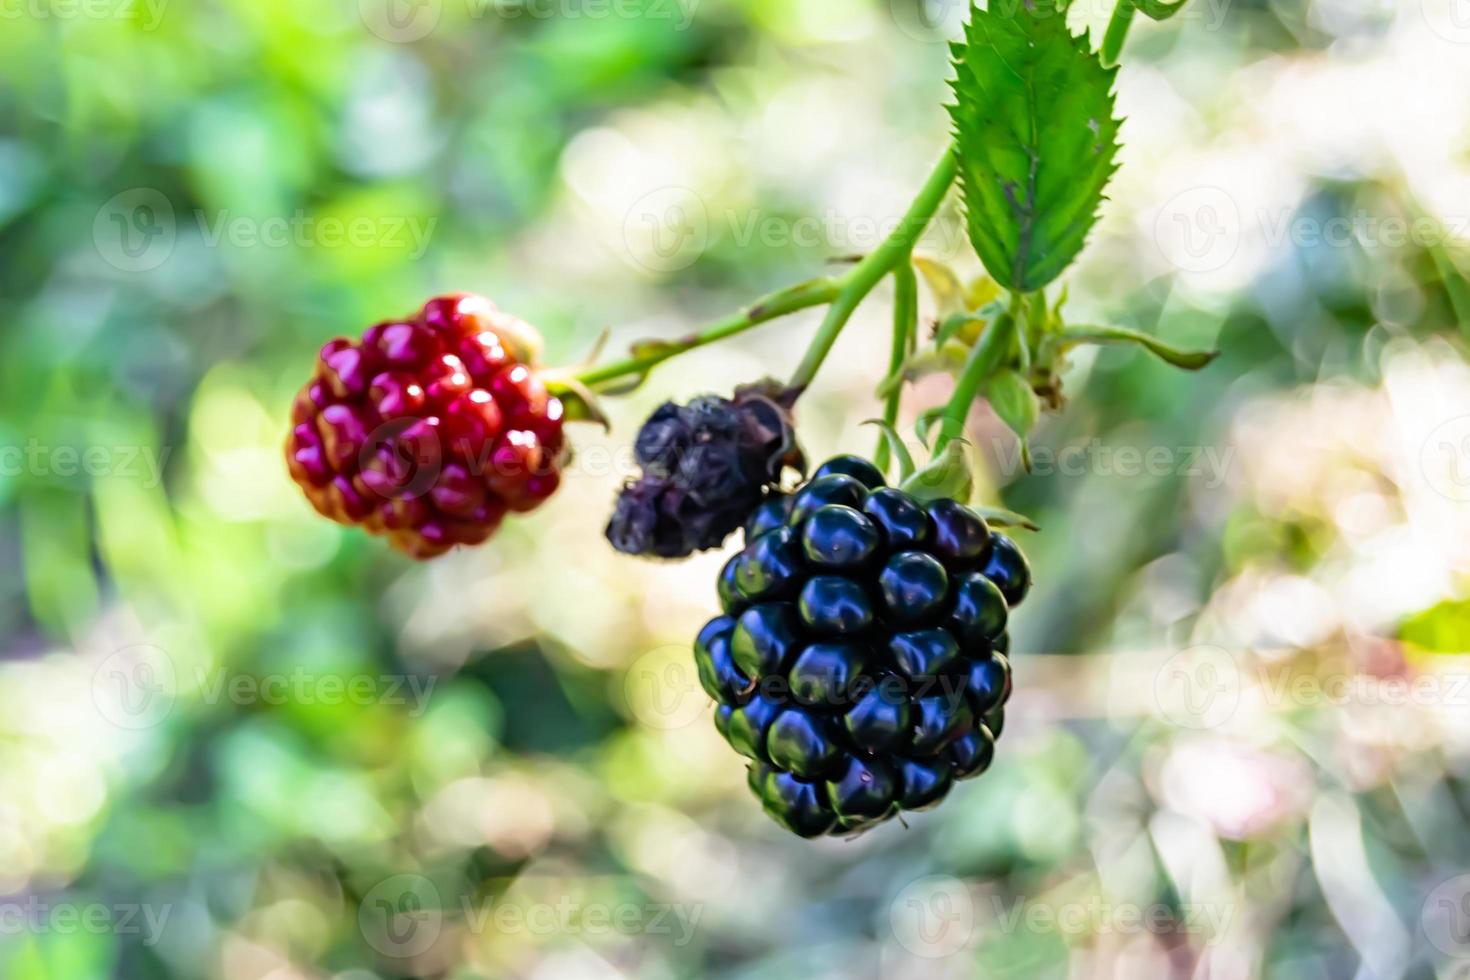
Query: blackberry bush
(858, 661)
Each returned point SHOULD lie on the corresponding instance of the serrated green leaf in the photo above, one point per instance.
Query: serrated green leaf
(1036, 139)
(1190, 360)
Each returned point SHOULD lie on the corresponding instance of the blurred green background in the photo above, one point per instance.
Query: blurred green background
(240, 742)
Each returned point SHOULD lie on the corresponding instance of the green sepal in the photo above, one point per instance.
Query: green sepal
(947, 476)
(1000, 517)
(1016, 404)
(896, 447)
(1186, 359)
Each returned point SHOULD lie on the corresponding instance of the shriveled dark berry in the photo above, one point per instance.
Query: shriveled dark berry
(961, 537)
(706, 466)
(979, 613)
(924, 783)
(765, 639)
(864, 789)
(914, 586)
(831, 606)
(1008, 568)
(854, 466)
(771, 567)
(833, 489)
(797, 805)
(802, 744)
(970, 754)
(770, 515)
(988, 682)
(838, 538)
(824, 673)
(902, 519)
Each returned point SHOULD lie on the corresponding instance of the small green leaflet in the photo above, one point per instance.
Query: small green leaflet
(1036, 139)
(1016, 404)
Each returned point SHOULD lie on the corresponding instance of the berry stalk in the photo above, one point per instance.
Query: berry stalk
(897, 249)
(815, 292)
(844, 293)
(905, 327)
(984, 358)
(1117, 33)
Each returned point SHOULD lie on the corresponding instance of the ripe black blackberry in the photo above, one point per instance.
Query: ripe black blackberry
(859, 661)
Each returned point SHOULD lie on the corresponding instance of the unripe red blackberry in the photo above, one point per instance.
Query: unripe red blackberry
(860, 662)
(427, 430)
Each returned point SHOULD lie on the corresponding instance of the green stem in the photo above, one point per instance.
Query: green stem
(984, 358)
(905, 326)
(1112, 45)
(777, 304)
(894, 251)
